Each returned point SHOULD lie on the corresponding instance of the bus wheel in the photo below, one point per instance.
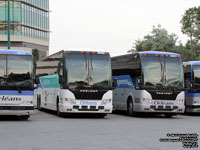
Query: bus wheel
(58, 110)
(130, 108)
(39, 103)
(101, 115)
(24, 117)
(168, 115)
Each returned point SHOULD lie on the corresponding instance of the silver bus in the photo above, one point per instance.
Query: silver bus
(149, 82)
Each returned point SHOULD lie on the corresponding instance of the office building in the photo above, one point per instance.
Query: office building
(29, 25)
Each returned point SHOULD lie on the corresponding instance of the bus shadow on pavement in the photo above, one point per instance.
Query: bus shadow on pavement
(191, 114)
(76, 115)
(145, 115)
(12, 118)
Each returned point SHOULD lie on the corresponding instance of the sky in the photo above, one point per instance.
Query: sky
(112, 25)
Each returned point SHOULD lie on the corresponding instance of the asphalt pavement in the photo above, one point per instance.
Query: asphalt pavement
(46, 131)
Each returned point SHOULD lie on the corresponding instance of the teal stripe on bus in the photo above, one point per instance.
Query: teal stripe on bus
(51, 81)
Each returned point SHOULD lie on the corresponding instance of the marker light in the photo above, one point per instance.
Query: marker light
(106, 101)
(73, 101)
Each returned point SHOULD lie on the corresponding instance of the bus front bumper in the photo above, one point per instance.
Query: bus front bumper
(193, 108)
(107, 109)
(162, 109)
(16, 110)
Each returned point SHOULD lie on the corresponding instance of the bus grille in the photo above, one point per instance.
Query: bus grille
(87, 108)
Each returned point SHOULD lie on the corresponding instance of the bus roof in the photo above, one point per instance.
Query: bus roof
(87, 52)
(14, 52)
(158, 52)
(151, 53)
(192, 62)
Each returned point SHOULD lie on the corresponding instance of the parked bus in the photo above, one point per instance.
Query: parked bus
(192, 84)
(149, 82)
(16, 83)
(75, 82)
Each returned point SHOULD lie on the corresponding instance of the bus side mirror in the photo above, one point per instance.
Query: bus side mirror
(61, 80)
(187, 84)
(114, 84)
(37, 80)
(140, 81)
(191, 85)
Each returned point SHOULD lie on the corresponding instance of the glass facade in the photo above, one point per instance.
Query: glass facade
(29, 18)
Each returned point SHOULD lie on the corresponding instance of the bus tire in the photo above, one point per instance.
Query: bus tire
(168, 115)
(60, 114)
(39, 102)
(25, 117)
(130, 107)
(101, 115)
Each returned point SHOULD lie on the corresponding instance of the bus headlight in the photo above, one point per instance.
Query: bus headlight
(179, 101)
(105, 101)
(28, 102)
(148, 101)
(70, 100)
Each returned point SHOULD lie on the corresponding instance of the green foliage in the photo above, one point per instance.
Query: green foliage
(158, 40)
(191, 27)
(35, 53)
(191, 51)
(191, 23)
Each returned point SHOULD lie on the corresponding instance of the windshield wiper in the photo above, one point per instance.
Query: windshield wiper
(15, 85)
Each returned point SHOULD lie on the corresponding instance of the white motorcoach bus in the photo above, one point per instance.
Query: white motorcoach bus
(149, 82)
(16, 83)
(75, 82)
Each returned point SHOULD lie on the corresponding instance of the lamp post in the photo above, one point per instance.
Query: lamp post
(8, 24)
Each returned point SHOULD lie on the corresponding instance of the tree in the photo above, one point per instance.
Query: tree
(158, 40)
(35, 53)
(191, 23)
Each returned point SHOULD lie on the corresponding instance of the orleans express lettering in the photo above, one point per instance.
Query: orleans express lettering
(10, 99)
(163, 103)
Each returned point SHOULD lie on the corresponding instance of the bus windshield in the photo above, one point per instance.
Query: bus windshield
(16, 70)
(89, 70)
(2, 70)
(162, 71)
(152, 71)
(174, 72)
(196, 74)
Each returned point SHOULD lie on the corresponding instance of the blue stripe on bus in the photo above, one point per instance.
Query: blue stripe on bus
(192, 94)
(160, 53)
(14, 52)
(194, 62)
(27, 93)
(123, 81)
